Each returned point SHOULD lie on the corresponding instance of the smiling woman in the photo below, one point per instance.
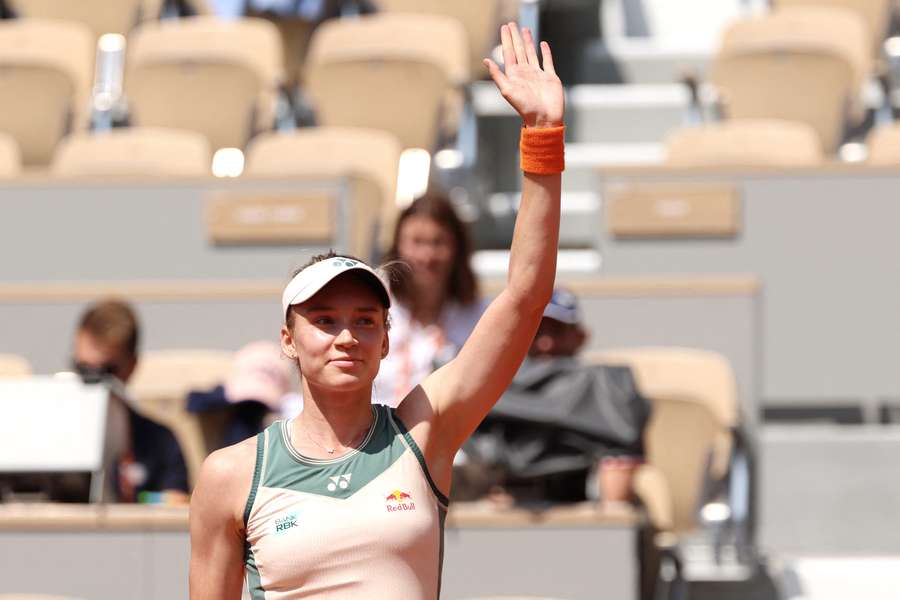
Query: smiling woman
(348, 499)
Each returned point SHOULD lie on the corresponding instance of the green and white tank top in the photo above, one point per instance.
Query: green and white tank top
(368, 524)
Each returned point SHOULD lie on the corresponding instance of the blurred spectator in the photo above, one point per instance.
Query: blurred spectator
(436, 303)
(256, 388)
(564, 431)
(145, 455)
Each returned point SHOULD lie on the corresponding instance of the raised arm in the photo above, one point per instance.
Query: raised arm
(462, 392)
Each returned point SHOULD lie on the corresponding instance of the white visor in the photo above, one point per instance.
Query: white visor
(314, 277)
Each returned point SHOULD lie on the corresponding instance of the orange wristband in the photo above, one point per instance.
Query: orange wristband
(542, 150)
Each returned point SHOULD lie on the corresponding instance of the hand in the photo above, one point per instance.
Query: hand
(535, 93)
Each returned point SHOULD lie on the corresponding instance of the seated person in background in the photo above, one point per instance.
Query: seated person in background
(564, 431)
(259, 382)
(435, 303)
(145, 455)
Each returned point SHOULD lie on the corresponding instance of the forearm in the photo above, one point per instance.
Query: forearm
(532, 257)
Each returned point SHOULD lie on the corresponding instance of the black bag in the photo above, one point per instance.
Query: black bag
(556, 420)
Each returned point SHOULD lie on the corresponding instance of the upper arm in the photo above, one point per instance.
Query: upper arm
(463, 391)
(216, 524)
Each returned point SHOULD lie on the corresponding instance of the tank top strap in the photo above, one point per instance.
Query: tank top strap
(400, 429)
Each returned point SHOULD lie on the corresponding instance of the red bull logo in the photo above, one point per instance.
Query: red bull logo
(399, 501)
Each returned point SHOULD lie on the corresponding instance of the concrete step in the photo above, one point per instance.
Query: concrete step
(641, 61)
(578, 224)
(584, 160)
(605, 113)
(829, 490)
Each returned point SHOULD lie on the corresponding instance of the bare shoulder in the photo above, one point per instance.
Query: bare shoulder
(225, 480)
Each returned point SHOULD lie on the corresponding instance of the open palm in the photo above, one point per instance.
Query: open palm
(536, 93)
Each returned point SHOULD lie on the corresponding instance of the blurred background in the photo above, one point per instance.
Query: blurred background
(723, 336)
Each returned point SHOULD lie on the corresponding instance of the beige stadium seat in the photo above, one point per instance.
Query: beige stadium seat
(369, 157)
(12, 365)
(391, 71)
(745, 143)
(694, 399)
(10, 157)
(101, 16)
(45, 77)
(480, 20)
(219, 78)
(160, 386)
(133, 151)
(804, 64)
(875, 13)
(884, 146)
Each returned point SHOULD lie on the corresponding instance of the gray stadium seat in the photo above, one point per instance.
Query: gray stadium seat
(368, 156)
(47, 68)
(404, 67)
(884, 146)
(745, 143)
(133, 151)
(219, 78)
(480, 20)
(10, 158)
(160, 386)
(804, 64)
(12, 365)
(101, 16)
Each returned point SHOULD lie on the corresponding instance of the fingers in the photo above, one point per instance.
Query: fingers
(496, 74)
(530, 51)
(548, 58)
(518, 45)
(509, 54)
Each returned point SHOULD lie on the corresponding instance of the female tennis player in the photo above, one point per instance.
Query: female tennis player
(347, 500)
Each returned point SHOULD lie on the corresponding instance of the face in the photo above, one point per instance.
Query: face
(555, 338)
(429, 249)
(91, 354)
(338, 336)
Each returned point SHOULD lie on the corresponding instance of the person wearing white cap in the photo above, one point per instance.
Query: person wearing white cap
(347, 500)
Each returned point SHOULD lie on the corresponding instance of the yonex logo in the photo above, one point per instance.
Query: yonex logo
(285, 523)
(344, 262)
(339, 481)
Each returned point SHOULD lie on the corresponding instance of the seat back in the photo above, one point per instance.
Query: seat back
(160, 386)
(876, 14)
(745, 143)
(390, 72)
(370, 158)
(133, 151)
(12, 365)
(797, 64)
(694, 399)
(10, 157)
(216, 77)
(101, 16)
(45, 78)
(884, 146)
(479, 19)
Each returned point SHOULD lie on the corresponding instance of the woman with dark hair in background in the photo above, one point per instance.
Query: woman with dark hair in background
(436, 300)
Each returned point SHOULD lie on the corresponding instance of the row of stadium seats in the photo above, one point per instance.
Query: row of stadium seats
(148, 151)
(398, 72)
(375, 155)
(756, 142)
(223, 78)
(694, 397)
(177, 71)
(100, 16)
